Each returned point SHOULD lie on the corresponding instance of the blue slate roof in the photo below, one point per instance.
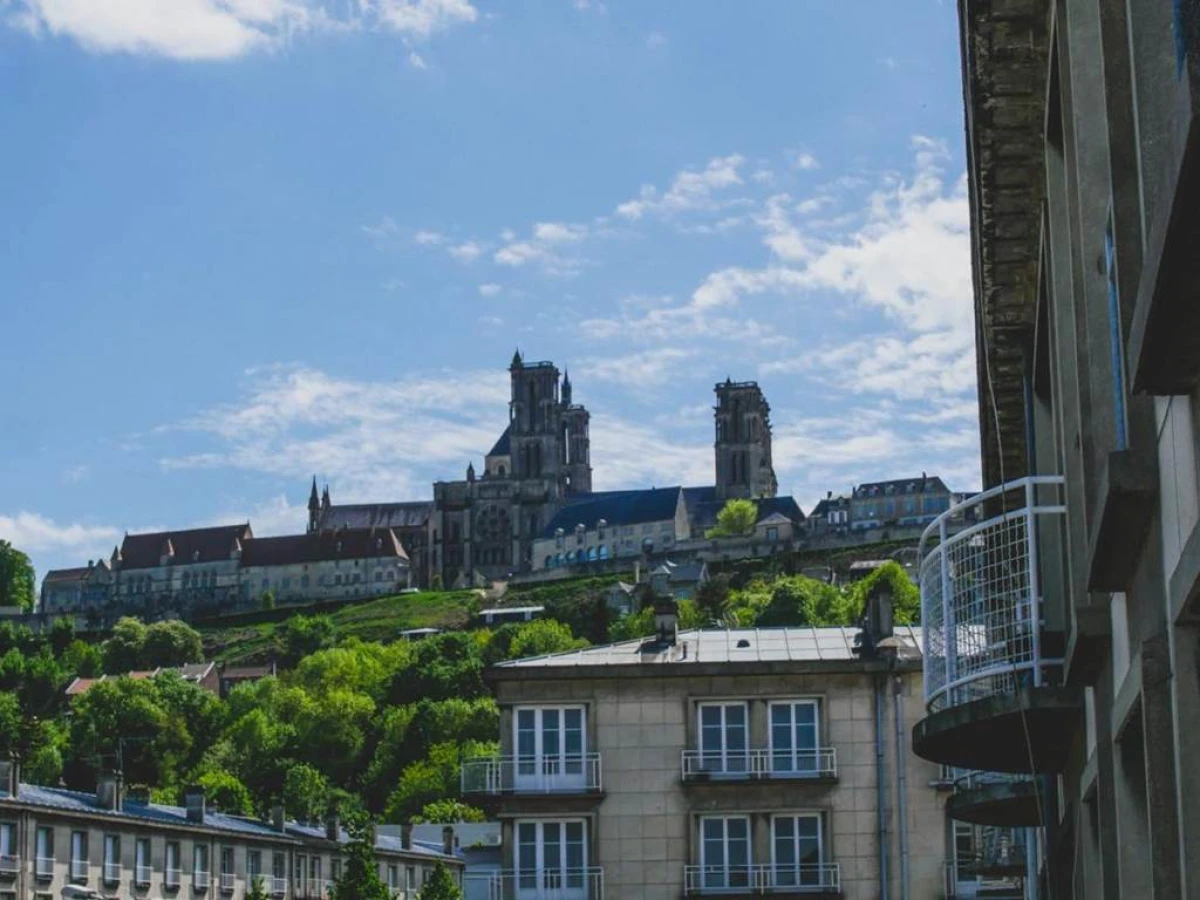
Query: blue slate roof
(77, 801)
(703, 507)
(503, 446)
(389, 843)
(617, 508)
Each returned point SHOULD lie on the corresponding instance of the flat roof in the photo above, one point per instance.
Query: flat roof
(721, 645)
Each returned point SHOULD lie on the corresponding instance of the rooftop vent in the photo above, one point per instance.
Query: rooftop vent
(743, 643)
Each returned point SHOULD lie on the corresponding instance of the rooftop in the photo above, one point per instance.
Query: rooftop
(192, 545)
(720, 645)
(616, 508)
(342, 543)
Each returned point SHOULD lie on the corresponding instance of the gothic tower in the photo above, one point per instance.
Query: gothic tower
(576, 444)
(534, 415)
(314, 509)
(743, 442)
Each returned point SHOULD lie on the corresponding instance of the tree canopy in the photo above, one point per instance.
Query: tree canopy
(440, 885)
(737, 517)
(17, 583)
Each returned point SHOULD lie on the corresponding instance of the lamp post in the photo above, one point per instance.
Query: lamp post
(889, 651)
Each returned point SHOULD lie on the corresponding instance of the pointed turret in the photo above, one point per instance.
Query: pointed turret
(566, 388)
(313, 500)
(314, 508)
(470, 471)
(325, 502)
(517, 362)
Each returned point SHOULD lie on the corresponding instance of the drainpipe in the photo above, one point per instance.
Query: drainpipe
(881, 786)
(901, 786)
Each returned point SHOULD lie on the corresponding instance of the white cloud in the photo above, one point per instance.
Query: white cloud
(558, 232)
(490, 290)
(427, 238)
(417, 61)
(690, 189)
(544, 247)
(75, 474)
(633, 455)
(224, 29)
(637, 369)
(384, 232)
(34, 533)
(806, 162)
(468, 251)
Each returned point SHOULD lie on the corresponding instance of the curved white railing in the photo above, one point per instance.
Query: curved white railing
(981, 592)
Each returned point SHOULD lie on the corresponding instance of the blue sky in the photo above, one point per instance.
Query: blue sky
(245, 241)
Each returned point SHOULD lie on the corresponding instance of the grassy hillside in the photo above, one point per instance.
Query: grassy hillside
(381, 619)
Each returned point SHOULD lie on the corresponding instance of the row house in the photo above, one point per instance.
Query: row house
(727, 763)
(59, 843)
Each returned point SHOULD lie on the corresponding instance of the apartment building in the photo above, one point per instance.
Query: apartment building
(1061, 630)
(730, 763)
(58, 843)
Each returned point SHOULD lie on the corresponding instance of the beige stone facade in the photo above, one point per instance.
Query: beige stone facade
(653, 802)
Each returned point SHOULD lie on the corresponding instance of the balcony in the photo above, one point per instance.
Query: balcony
(569, 782)
(112, 873)
(278, 887)
(763, 879)
(227, 882)
(171, 878)
(141, 876)
(9, 865)
(992, 667)
(994, 798)
(538, 884)
(200, 881)
(783, 765)
(964, 882)
(44, 867)
(79, 870)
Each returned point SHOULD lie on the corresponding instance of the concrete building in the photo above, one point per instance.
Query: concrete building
(735, 763)
(903, 501)
(1061, 630)
(58, 843)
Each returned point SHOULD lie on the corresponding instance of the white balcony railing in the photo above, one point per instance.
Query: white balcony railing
(538, 884)
(9, 864)
(963, 883)
(761, 878)
(44, 867)
(79, 869)
(200, 880)
(112, 873)
(172, 877)
(278, 886)
(567, 774)
(226, 881)
(819, 763)
(141, 875)
(981, 592)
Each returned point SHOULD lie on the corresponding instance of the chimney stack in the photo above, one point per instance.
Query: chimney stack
(193, 799)
(333, 828)
(448, 840)
(108, 791)
(666, 618)
(406, 836)
(277, 816)
(10, 777)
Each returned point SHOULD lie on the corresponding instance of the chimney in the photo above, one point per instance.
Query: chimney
(406, 836)
(108, 791)
(666, 618)
(829, 495)
(448, 840)
(277, 816)
(333, 828)
(877, 621)
(193, 799)
(10, 777)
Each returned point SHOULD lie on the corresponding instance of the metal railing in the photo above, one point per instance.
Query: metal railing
(227, 881)
(79, 869)
(963, 883)
(981, 592)
(278, 886)
(538, 884)
(141, 875)
(9, 864)
(172, 877)
(567, 774)
(761, 878)
(200, 880)
(43, 867)
(699, 765)
(112, 872)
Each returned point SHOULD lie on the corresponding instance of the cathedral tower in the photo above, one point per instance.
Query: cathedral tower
(576, 444)
(534, 417)
(743, 442)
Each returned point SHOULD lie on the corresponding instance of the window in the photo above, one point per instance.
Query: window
(301, 875)
(410, 878)
(314, 873)
(393, 877)
(335, 869)
(8, 847)
(200, 865)
(725, 852)
(44, 852)
(278, 873)
(227, 869)
(266, 583)
(772, 533)
(141, 862)
(337, 579)
(253, 865)
(304, 581)
(551, 853)
(604, 551)
(794, 738)
(723, 739)
(79, 856)
(550, 748)
(378, 575)
(173, 873)
(286, 583)
(796, 851)
(112, 859)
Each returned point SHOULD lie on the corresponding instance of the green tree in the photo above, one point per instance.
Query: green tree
(62, 633)
(737, 517)
(906, 596)
(10, 723)
(543, 636)
(83, 659)
(431, 779)
(17, 584)
(169, 644)
(799, 601)
(712, 596)
(226, 792)
(360, 875)
(302, 636)
(258, 890)
(123, 649)
(440, 885)
(268, 599)
(306, 792)
(445, 665)
(447, 812)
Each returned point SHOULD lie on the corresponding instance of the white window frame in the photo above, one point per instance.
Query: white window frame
(794, 817)
(112, 859)
(731, 877)
(550, 768)
(9, 861)
(79, 856)
(561, 882)
(142, 851)
(43, 850)
(726, 752)
(796, 754)
(173, 874)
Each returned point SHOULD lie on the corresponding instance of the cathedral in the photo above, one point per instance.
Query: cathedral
(483, 527)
